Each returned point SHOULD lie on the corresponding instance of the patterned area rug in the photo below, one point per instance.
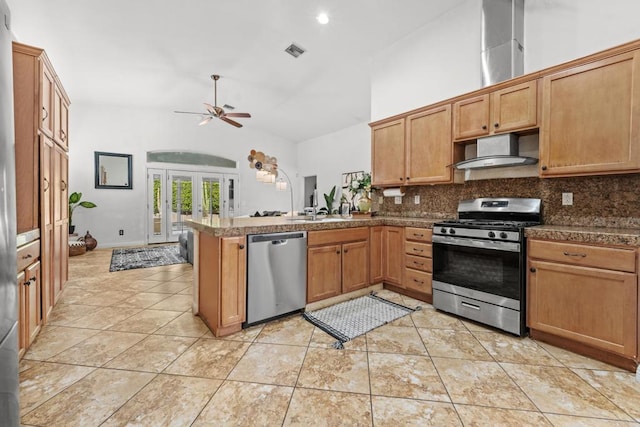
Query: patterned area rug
(152, 256)
(350, 319)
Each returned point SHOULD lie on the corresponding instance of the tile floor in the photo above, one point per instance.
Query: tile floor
(124, 349)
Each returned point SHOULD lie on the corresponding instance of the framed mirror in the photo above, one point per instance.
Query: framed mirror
(113, 170)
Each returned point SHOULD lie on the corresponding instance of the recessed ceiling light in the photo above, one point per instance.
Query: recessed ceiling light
(323, 18)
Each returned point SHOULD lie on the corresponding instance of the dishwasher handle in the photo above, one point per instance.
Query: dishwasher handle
(279, 237)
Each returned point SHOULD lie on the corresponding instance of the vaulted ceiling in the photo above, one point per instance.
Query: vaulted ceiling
(161, 53)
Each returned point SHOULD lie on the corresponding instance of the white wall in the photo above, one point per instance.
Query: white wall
(442, 59)
(329, 156)
(561, 30)
(135, 131)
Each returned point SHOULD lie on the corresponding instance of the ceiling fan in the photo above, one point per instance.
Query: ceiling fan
(215, 111)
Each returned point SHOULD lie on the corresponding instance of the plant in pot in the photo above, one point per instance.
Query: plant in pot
(74, 202)
(329, 200)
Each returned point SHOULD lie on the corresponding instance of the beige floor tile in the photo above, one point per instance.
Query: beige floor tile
(573, 421)
(477, 327)
(433, 319)
(142, 300)
(175, 303)
(166, 400)
(270, 364)
(573, 360)
(73, 295)
(512, 349)
(101, 319)
(246, 404)
(321, 339)
(25, 364)
(99, 349)
(91, 400)
(559, 390)
(247, 335)
(42, 381)
(65, 313)
(395, 339)
(293, 330)
(394, 412)
(164, 276)
(480, 416)
(169, 287)
(451, 343)
(329, 408)
(480, 383)
(209, 359)
(147, 321)
(186, 291)
(390, 296)
(338, 370)
(406, 376)
(55, 339)
(185, 325)
(153, 354)
(621, 388)
(108, 298)
(138, 285)
(413, 303)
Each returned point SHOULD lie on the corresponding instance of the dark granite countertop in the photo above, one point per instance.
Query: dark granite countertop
(580, 234)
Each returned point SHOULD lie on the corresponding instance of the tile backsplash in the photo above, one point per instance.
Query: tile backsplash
(612, 200)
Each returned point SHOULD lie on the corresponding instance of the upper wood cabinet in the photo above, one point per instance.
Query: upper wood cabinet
(60, 118)
(428, 148)
(387, 153)
(591, 118)
(513, 108)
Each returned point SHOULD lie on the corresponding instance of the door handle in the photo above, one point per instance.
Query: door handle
(467, 305)
(46, 181)
(240, 246)
(46, 114)
(575, 254)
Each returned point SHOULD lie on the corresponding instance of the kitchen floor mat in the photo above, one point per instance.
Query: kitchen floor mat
(350, 319)
(152, 256)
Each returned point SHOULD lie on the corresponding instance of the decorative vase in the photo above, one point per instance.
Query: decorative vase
(364, 204)
(90, 242)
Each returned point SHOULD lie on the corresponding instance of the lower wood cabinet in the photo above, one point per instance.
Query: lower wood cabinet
(376, 254)
(417, 261)
(222, 282)
(337, 262)
(573, 296)
(393, 255)
(29, 295)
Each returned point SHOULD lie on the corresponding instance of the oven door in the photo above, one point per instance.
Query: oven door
(492, 267)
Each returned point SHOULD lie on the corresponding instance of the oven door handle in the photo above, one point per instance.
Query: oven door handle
(474, 243)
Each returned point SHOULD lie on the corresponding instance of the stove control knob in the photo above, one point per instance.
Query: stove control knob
(452, 231)
(503, 235)
(443, 230)
(492, 234)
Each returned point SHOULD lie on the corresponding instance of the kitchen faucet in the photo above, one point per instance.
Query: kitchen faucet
(314, 203)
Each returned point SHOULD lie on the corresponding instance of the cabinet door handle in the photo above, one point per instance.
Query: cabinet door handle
(484, 127)
(46, 114)
(27, 256)
(46, 181)
(28, 282)
(544, 168)
(418, 235)
(467, 305)
(408, 178)
(532, 269)
(577, 255)
(401, 179)
(346, 250)
(338, 252)
(63, 135)
(420, 282)
(496, 125)
(418, 263)
(418, 250)
(64, 184)
(240, 246)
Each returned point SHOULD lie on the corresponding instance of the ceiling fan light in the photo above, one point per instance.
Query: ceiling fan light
(260, 174)
(281, 184)
(323, 18)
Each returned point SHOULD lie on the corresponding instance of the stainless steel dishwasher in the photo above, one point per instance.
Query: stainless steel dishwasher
(277, 275)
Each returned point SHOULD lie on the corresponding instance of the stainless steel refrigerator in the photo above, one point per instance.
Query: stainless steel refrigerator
(9, 407)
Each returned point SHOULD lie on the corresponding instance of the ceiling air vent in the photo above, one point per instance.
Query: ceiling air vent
(294, 50)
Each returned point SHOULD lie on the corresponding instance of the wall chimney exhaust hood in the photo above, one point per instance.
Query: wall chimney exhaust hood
(495, 152)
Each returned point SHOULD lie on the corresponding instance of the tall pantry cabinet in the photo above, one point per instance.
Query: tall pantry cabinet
(41, 133)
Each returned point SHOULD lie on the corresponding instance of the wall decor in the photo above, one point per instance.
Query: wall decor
(347, 179)
(113, 170)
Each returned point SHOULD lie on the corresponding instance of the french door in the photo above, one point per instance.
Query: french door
(175, 196)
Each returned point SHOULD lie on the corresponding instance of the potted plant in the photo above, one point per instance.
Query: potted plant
(329, 199)
(74, 202)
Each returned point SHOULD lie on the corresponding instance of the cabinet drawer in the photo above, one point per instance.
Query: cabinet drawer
(417, 280)
(418, 234)
(419, 249)
(418, 263)
(28, 254)
(327, 237)
(584, 255)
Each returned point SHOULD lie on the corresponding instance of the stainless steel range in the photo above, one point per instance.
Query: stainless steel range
(479, 261)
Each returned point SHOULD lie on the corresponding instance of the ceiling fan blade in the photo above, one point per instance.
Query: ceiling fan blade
(190, 112)
(210, 108)
(238, 115)
(231, 122)
(205, 120)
